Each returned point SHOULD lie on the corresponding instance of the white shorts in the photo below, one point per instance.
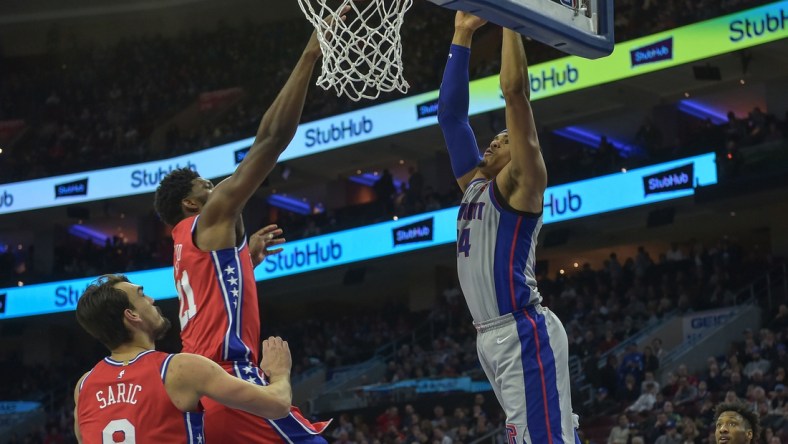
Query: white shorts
(525, 355)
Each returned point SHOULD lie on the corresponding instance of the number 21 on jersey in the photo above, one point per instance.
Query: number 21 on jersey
(464, 242)
(186, 296)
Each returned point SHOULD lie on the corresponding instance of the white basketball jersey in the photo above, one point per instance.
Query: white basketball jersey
(495, 253)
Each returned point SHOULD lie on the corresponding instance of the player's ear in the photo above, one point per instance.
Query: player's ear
(189, 205)
(131, 316)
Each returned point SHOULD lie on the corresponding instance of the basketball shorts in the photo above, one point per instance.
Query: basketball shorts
(225, 425)
(525, 357)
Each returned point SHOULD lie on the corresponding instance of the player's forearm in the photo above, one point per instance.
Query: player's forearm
(453, 102)
(514, 66)
(276, 402)
(279, 124)
(462, 37)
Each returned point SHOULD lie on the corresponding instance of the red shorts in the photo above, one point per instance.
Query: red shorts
(225, 425)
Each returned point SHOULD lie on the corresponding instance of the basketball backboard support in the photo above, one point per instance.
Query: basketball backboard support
(578, 27)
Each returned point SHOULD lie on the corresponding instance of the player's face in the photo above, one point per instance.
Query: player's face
(731, 428)
(153, 320)
(497, 155)
(201, 189)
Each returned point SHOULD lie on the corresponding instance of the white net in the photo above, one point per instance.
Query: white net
(362, 56)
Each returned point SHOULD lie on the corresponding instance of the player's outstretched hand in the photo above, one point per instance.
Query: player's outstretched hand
(276, 361)
(313, 47)
(261, 243)
(468, 21)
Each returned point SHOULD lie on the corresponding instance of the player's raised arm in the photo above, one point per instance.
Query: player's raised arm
(190, 377)
(524, 179)
(454, 100)
(276, 130)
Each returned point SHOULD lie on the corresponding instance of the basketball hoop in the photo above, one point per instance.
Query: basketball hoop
(362, 56)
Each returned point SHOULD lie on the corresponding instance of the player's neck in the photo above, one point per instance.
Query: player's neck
(130, 350)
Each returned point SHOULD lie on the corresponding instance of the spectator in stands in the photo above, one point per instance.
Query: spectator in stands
(656, 344)
(602, 403)
(737, 384)
(756, 363)
(703, 393)
(713, 376)
(649, 378)
(669, 410)
(384, 191)
(686, 393)
(689, 431)
(620, 433)
(632, 363)
(388, 420)
(674, 254)
(671, 435)
(780, 322)
(629, 391)
(646, 400)
(650, 360)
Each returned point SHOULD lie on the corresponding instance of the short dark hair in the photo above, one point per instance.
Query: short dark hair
(751, 417)
(172, 189)
(100, 311)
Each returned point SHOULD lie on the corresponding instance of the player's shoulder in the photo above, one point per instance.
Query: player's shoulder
(188, 370)
(80, 383)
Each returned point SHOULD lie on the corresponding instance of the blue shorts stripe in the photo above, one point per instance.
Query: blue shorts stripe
(541, 390)
(194, 427)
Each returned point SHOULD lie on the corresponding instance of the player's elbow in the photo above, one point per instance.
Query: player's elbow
(445, 117)
(514, 89)
(280, 408)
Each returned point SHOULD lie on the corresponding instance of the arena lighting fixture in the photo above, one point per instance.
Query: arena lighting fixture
(290, 204)
(87, 233)
(592, 139)
(701, 111)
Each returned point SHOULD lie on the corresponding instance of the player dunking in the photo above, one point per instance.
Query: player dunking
(219, 314)
(522, 346)
(140, 395)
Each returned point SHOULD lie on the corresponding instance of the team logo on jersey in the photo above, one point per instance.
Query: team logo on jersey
(679, 178)
(120, 375)
(414, 232)
(75, 188)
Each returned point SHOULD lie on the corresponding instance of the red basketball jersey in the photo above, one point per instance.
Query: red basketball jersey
(218, 299)
(128, 403)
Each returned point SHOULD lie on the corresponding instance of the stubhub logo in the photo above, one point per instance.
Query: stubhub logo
(679, 178)
(67, 296)
(343, 130)
(558, 205)
(150, 178)
(75, 188)
(655, 52)
(554, 78)
(750, 28)
(415, 232)
(6, 199)
(304, 256)
(427, 109)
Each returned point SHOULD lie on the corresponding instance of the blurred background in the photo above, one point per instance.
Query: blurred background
(670, 306)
